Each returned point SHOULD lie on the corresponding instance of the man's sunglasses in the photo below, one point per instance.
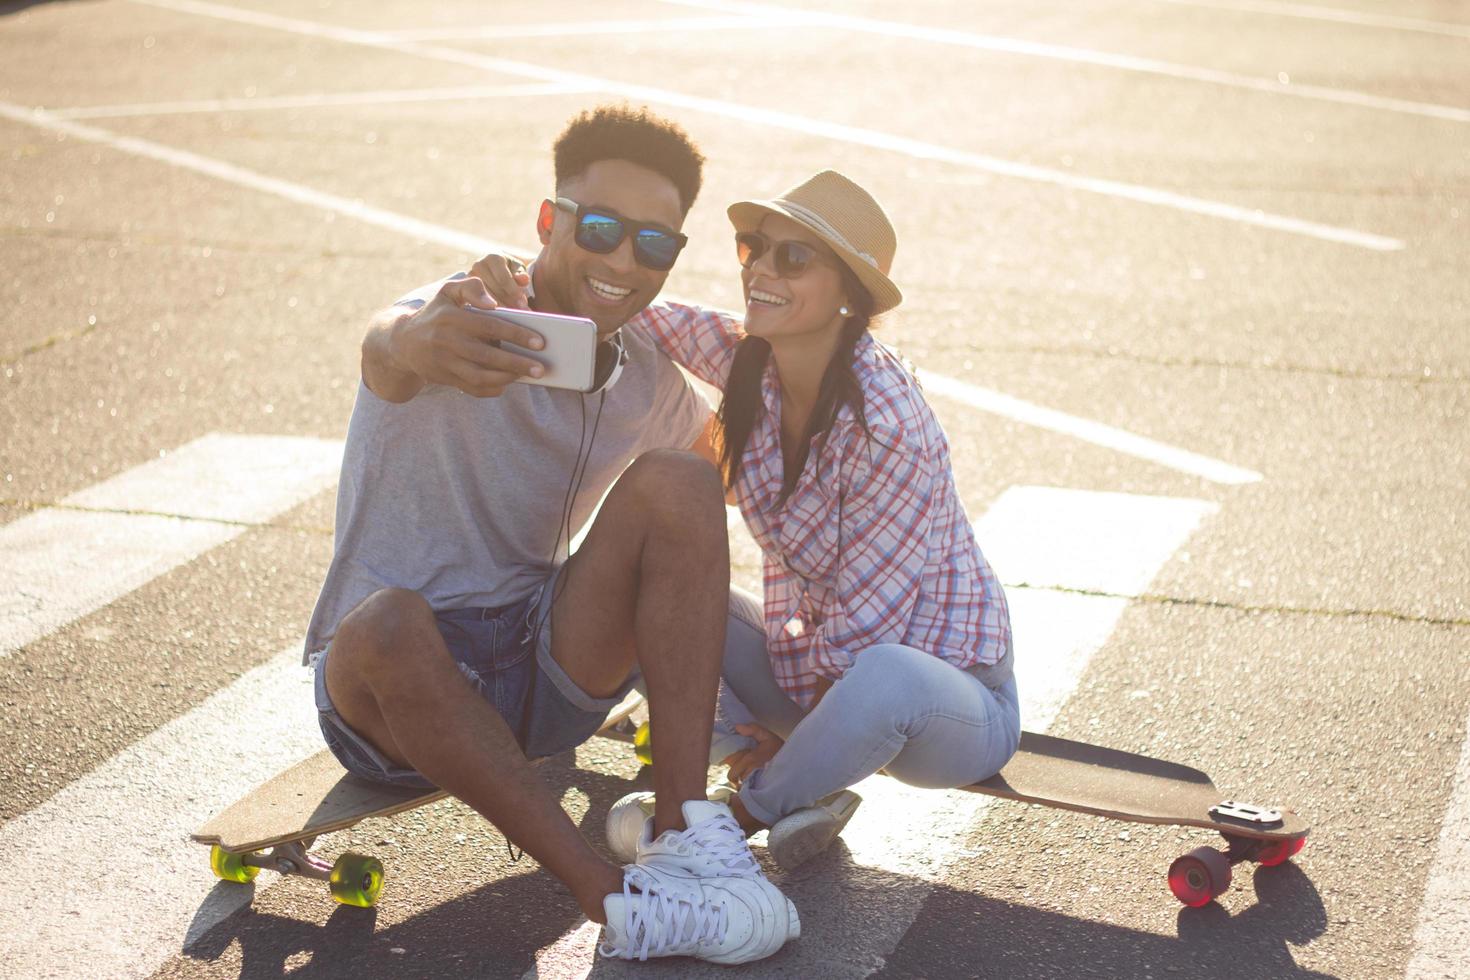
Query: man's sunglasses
(791, 258)
(602, 230)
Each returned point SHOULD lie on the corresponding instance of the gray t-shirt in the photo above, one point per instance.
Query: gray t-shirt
(459, 498)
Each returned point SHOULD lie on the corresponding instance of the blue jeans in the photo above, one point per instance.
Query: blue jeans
(506, 658)
(923, 720)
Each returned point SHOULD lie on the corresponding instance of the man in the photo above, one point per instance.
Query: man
(452, 641)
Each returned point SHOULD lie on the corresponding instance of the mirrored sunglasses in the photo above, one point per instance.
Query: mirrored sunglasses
(601, 230)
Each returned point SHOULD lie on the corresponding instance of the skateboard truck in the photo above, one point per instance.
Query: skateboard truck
(290, 858)
(1256, 816)
(354, 879)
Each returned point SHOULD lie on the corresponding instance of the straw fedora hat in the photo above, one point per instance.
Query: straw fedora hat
(844, 216)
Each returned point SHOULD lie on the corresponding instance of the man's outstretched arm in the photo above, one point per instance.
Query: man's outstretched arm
(453, 339)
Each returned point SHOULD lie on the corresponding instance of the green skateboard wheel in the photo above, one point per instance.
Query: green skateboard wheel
(356, 880)
(231, 867)
(643, 744)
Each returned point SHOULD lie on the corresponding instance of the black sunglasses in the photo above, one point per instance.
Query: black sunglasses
(791, 258)
(601, 230)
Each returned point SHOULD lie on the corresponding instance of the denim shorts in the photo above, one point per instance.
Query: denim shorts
(506, 658)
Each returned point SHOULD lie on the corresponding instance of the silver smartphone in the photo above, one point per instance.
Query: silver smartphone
(570, 354)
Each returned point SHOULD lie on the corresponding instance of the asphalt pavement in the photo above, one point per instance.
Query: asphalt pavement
(1199, 269)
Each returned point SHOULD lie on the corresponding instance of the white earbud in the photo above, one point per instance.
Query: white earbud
(844, 311)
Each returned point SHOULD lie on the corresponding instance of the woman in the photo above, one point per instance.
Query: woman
(887, 638)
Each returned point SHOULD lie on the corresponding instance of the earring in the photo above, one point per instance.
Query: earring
(844, 311)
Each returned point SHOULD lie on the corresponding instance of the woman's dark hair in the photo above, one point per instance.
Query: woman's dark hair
(741, 407)
(635, 135)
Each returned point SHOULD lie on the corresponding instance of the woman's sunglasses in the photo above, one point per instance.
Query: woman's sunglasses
(601, 230)
(791, 258)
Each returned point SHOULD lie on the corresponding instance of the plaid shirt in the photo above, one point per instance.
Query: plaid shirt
(873, 545)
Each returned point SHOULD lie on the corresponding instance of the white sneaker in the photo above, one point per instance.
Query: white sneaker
(723, 920)
(630, 820)
(626, 823)
(805, 833)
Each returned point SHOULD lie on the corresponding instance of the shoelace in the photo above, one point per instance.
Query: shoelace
(722, 839)
(656, 920)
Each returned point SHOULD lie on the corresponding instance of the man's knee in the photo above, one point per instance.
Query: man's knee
(383, 631)
(679, 488)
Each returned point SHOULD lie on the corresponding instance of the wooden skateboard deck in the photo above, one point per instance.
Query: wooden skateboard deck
(1122, 786)
(317, 796)
(1057, 772)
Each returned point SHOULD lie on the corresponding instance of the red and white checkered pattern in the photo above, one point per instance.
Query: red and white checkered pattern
(873, 545)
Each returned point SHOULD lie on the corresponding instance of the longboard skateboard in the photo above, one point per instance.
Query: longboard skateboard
(275, 825)
(1057, 772)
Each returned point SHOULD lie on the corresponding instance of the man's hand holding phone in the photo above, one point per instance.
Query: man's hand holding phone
(455, 339)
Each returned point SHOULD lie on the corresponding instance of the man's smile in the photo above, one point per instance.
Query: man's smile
(606, 291)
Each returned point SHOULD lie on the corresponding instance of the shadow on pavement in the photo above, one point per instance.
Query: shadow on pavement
(963, 934)
(846, 912)
(493, 931)
(496, 930)
(16, 6)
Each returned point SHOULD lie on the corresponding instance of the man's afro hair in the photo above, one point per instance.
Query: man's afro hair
(635, 135)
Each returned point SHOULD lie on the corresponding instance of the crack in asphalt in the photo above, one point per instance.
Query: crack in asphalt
(35, 505)
(215, 245)
(1152, 598)
(1159, 599)
(7, 360)
(1113, 354)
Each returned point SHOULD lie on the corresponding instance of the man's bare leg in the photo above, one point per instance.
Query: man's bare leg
(651, 583)
(392, 680)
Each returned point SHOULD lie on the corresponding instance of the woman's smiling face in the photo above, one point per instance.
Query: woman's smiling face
(777, 307)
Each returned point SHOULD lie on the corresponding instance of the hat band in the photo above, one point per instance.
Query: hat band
(821, 225)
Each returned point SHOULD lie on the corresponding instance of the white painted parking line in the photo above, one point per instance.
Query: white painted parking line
(1070, 539)
(807, 126)
(1005, 405)
(1049, 546)
(319, 100)
(60, 564)
(1442, 940)
(101, 880)
(1362, 18)
(581, 28)
(1043, 540)
(220, 170)
(1085, 540)
(1097, 433)
(1277, 85)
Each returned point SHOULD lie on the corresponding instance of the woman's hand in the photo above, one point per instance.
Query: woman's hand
(747, 761)
(505, 277)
